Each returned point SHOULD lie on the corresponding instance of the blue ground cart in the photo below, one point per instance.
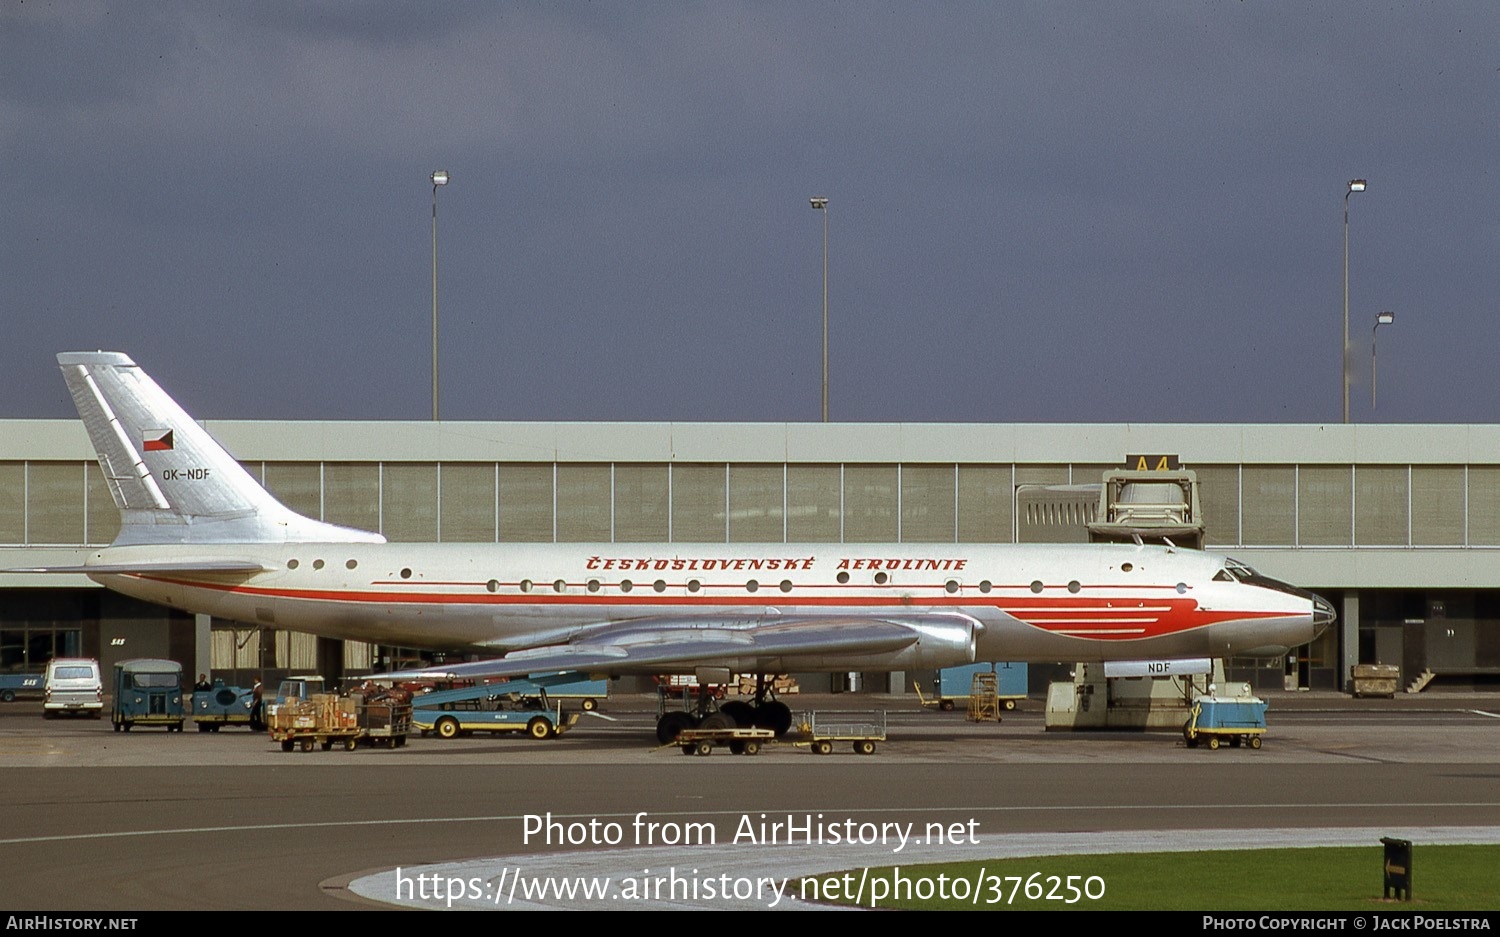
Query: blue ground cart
(1215, 721)
(222, 706)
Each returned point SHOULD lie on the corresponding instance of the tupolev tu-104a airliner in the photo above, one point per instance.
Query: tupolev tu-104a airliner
(199, 534)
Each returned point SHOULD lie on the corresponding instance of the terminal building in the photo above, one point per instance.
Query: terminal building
(1397, 526)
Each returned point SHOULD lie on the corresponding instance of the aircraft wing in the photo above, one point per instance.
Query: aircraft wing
(641, 645)
(177, 565)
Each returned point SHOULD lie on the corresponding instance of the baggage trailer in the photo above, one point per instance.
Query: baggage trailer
(321, 719)
(861, 729)
(741, 741)
(1239, 721)
(383, 722)
(1374, 680)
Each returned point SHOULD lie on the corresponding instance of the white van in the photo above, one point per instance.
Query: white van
(73, 685)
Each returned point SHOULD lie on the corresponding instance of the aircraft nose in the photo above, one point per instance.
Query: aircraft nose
(1323, 614)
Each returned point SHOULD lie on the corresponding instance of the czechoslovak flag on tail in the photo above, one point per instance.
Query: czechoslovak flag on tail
(157, 440)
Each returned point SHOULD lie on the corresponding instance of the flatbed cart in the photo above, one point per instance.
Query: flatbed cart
(861, 729)
(1215, 721)
(322, 719)
(325, 738)
(742, 741)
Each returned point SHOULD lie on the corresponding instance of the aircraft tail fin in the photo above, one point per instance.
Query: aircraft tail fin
(171, 480)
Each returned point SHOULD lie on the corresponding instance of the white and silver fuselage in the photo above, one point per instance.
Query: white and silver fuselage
(986, 602)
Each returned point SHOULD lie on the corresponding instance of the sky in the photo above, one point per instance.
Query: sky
(1038, 212)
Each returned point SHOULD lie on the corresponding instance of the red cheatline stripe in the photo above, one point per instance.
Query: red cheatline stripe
(1185, 615)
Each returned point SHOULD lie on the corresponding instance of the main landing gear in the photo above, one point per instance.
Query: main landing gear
(763, 711)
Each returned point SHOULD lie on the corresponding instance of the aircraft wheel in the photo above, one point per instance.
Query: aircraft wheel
(719, 720)
(741, 712)
(1255, 741)
(704, 748)
(864, 747)
(539, 728)
(1213, 743)
(775, 715)
(671, 725)
(447, 728)
(751, 747)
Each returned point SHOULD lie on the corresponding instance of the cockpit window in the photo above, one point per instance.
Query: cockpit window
(1223, 576)
(1250, 577)
(1240, 571)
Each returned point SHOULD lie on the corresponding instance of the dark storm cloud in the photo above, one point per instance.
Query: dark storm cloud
(1040, 211)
